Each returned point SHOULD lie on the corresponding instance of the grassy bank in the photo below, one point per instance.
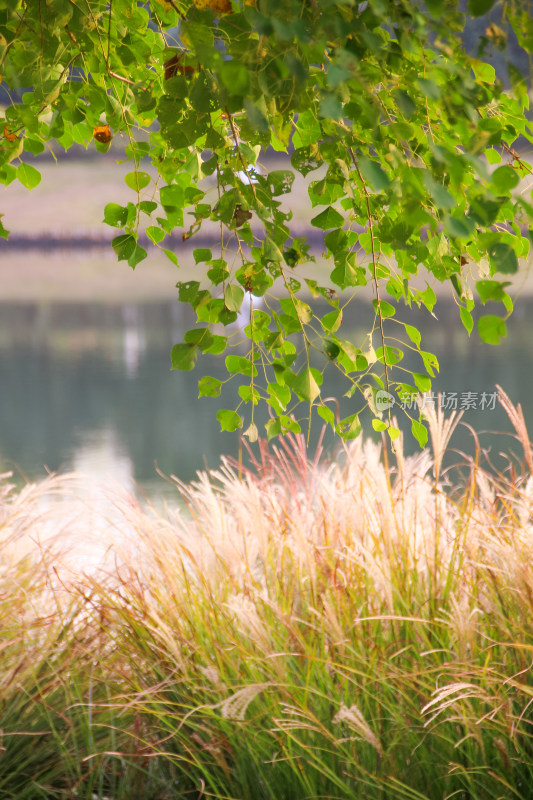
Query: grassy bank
(357, 629)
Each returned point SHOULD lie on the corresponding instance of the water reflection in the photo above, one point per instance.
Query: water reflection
(89, 387)
(70, 374)
(101, 457)
(134, 338)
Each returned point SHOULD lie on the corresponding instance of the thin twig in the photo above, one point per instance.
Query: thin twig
(176, 9)
(241, 159)
(374, 268)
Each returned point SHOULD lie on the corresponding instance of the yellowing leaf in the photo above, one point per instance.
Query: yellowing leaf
(11, 137)
(102, 134)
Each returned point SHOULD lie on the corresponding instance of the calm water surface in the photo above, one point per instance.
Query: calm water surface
(89, 387)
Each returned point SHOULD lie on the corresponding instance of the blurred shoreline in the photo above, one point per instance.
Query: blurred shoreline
(59, 249)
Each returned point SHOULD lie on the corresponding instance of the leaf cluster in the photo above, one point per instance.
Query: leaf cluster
(404, 142)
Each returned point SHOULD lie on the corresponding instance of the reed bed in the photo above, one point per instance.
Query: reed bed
(354, 628)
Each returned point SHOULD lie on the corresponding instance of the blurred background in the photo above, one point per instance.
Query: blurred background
(85, 380)
(85, 346)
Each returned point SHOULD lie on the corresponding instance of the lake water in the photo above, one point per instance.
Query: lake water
(88, 386)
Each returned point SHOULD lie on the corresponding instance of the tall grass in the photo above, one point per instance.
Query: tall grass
(343, 629)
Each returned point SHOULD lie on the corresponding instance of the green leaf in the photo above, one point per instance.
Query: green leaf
(440, 195)
(115, 215)
(455, 227)
(419, 431)
(423, 383)
(147, 206)
(330, 107)
(137, 180)
(279, 396)
(172, 196)
(4, 234)
(256, 120)
(235, 77)
(306, 159)
(233, 297)
(405, 103)
(124, 246)
(188, 291)
(273, 428)
(28, 176)
(183, 356)
(456, 283)
(209, 387)
(229, 420)
(484, 211)
(430, 362)
(217, 345)
(200, 32)
(466, 319)
(384, 308)
(491, 290)
(504, 179)
(491, 329)
(346, 273)
(429, 88)
(389, 355)
(240, 365)
(218, 272)
(271, 251)
(305, 385)
(374, 174)
(428, 298)
(484, 72)
(295, 308)
(201, 254)
(349, 427)
(479, 7)
(171, 256)
(327, 415)
(247, 394)
(332, 321)
(325, 193)
(503, 258)
(413, 334)
(307, 130)
(280, 181)
(331, 349)
(393, 432)
(337, 241)
(155, 234)
(492, 156)
(138, 255)
(255, 278)
(329, 218)
(201, 337)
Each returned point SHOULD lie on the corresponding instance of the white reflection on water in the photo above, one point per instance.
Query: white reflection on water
(101, 458)
(102, 461)
(134, 338)
(85, 519)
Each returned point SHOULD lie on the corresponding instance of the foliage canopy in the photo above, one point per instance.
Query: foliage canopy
(406, 143)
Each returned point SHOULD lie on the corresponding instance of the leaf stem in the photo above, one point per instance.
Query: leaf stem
(374, 271)
(241, 159)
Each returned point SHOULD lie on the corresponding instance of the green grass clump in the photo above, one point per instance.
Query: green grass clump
(311, 630)
(62, 733)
